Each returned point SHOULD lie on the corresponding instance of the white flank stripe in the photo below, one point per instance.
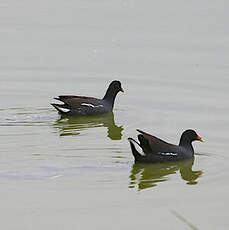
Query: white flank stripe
(90, 105)
(168, 154)
(64, 110)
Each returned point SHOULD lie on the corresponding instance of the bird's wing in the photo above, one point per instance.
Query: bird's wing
(153, 145)
(76, 101)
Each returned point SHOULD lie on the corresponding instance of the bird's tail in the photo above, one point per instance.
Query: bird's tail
(61, 108)
(136, 154)
(144, 144)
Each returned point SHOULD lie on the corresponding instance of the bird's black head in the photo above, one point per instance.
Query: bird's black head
(116, 86)
(189, 136)
(113, 89)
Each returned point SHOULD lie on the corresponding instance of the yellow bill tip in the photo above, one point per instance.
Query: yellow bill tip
(200, 139)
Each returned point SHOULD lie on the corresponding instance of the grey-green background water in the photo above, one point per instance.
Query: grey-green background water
(172, 60)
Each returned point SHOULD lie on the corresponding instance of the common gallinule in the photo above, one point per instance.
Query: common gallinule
(81, 105)
(156, 150)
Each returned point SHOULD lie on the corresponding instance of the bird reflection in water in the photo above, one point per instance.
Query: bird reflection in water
(69, 126)
(145, 176)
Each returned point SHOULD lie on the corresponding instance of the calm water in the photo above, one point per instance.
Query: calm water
(172, 60)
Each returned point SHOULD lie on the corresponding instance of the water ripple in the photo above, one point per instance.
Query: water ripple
(26, 116)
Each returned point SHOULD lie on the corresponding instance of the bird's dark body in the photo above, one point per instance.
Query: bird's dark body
(82, 106)
(157, 151)
(87, 106)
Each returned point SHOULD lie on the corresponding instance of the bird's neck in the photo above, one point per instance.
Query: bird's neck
(110, 97)
(186, 144)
